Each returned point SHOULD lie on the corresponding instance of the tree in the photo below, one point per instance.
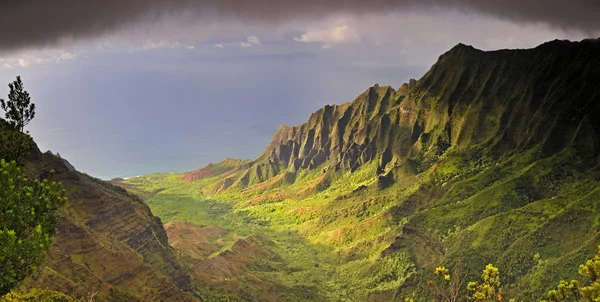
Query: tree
(19, 111)
(19, 108)
(28, 220)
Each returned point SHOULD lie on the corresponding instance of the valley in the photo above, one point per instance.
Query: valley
(487, 167)
(300, 151)
(491, 157)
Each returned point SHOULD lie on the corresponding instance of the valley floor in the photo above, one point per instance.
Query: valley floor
(237, 252)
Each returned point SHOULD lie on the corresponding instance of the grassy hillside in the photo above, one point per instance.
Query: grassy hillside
(491, 157)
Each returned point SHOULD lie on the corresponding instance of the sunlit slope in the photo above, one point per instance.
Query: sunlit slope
(491, 157)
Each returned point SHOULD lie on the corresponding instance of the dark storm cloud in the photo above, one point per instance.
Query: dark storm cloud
(38, 23)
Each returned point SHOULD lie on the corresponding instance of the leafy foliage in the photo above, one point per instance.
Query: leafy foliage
(14, 145)
(28, 221)
(486, 290)
(36, 295)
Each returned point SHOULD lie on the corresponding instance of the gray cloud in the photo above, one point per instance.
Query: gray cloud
(40, 23)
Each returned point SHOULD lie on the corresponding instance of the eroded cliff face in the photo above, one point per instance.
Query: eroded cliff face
(511, 99)
(508, 100)
(108, 243)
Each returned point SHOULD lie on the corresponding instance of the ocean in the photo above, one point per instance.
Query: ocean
(122, 117)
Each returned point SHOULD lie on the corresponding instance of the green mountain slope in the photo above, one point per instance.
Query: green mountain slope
(491, 157)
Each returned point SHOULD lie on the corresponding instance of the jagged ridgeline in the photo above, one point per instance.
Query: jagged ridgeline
(491, 157)
(507, 101)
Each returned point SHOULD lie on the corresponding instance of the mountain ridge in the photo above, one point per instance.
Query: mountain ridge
(485, 159)
(311, 144)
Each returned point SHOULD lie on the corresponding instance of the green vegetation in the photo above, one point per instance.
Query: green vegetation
(308, 260)
(447, 288)
(28, 207)
(109, 247)
(19, 111)
(305, 267)
(576, 290)
(14, 144)
(489, 288)
(37, 295)
(491, 157)
(28, 220)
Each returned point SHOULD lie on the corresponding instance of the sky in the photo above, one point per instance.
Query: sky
(130, 87)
